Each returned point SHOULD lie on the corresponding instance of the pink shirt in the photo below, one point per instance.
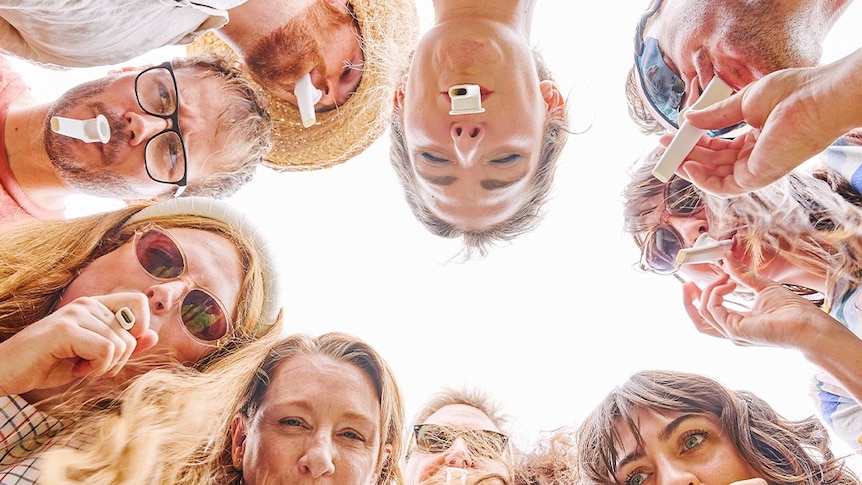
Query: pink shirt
(14, 203)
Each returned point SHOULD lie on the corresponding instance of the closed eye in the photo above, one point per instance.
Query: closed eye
(509, 159)
(431, 158)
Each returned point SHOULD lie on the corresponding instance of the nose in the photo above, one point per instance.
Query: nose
(317, 460)
(144, 126)
(467, 136)
(458, 455)
(164, 296)
(690, 227)
(329, 94)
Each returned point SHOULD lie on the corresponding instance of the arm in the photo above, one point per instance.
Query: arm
(81, 339)
(795, 114)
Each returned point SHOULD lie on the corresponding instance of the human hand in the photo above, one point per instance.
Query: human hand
(778, 317)
(80, 339)
(795, 114)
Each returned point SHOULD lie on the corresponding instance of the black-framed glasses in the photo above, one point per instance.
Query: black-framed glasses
(202, 314)
(436, 438)
(663, 89)
(661, 246)
(165, 153)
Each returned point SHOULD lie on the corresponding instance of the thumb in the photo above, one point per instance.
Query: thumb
(718, 115)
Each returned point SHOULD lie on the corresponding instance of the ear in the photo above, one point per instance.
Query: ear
(385, 459)
(237, 436)
(398, 99)
(551, 94)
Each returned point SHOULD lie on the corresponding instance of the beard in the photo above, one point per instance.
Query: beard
(88, 178)
(287, 53)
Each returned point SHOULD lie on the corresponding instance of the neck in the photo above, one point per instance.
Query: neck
(252, 19)
(28, 160)
(516, 13)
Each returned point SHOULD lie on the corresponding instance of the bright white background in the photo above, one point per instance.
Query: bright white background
(548, 324)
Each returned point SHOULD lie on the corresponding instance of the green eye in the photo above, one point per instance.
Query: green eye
(693, 440)
(636, 479)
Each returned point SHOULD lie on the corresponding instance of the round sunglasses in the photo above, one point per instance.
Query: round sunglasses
(436, 438)
(661, 245)
(202, 314)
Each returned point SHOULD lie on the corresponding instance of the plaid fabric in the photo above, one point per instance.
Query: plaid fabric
(23, 428)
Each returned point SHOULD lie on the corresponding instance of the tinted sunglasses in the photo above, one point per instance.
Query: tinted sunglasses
(662, 87)
(661, 245)
(435, 438)
(202, 314)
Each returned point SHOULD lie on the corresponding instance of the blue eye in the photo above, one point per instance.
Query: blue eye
(636, 478)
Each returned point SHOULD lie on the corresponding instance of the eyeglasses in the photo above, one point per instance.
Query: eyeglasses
(202, 314)
(662, 244)
(435, 438)
(663, 88)
(165, 153)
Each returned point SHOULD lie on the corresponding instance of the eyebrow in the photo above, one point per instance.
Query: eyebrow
(489, 184)
(664, 435)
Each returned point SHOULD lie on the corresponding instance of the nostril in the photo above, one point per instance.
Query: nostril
(458, 131)
(474, 133)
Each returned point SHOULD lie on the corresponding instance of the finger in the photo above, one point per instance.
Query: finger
(137, 304)
(718, 115)
(691, 295)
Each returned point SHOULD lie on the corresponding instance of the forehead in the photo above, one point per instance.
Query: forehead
(316, 377)
(462, 416)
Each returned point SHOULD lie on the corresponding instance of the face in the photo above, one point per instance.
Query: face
(117, 168)
(424, 467)
(322, 40)
(679, 448)
(319, 421)
(737, 41)
(474, 170)
(212, 263)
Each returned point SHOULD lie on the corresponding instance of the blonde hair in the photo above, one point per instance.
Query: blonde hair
(40, 259)
(186, 415)
(813, 221)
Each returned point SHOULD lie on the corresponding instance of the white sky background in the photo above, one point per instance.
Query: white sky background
(547, 325)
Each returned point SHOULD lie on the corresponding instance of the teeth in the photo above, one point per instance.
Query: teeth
(90, 131)
(306, 97)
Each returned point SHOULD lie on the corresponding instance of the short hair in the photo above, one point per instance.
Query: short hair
(244, 126)
(638, 110)
(781, 450)
(525, 219)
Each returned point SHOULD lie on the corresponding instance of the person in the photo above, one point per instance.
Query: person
(681, 44)
(462, 432)
(480, 176)
(356, 100)
(798, 114)
(192, 277)
(191, 126)
(669, 426)
(794, 242)
(325, 408)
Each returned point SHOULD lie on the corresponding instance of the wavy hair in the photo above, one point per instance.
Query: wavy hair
(525, 219)
(814, 221)
(780, 450)
(186, 415)
(41, 258)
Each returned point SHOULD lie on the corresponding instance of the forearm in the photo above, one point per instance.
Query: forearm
(838, 351)
(842, 91)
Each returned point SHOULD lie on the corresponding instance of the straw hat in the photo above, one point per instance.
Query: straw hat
(389, 31)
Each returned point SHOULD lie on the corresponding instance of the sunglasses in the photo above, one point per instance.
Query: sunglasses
(662, 87)
(202, 314)
(435, 438)
(661, 245)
